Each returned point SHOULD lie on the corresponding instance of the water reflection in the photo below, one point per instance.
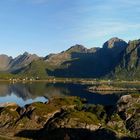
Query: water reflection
(27, 93)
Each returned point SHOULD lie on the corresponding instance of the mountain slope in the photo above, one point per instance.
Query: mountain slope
(116, 59)
(36, 69)
(68, 55)
(61, 61)
(129, 67)
(85, 63)
(5, 62)
(81, 62)
(22, 61)
(15, 65)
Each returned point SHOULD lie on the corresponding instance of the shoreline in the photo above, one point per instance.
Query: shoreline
(66, 80)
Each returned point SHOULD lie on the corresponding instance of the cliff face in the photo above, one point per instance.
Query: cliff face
(129, 66)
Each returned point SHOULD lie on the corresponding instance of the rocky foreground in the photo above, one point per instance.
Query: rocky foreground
(71, 119)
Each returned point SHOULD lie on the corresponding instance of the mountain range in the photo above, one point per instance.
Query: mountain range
(116, 59)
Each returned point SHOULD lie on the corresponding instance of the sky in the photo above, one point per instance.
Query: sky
(51, 26)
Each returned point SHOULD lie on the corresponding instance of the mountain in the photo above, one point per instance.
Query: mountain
(5, 62)
(116, 59)
(55, 62)
(69, 55)
(114, 43)
(129, 66)
(79, 61)
(16, 64)
(22, 61)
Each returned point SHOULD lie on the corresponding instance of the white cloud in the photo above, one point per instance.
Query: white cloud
(103, 30)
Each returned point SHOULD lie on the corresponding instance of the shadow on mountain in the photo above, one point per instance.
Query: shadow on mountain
(70, 134)
(90, 65)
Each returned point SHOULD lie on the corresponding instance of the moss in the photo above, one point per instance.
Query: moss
(8, 116)
(84, 117)
(137, 105)
(115, 117)
(22, 122)
(25, 122)
(66, 101)
(98, 110)
(135, 95)
(43, 109)
(55, 104)
(117, 125)
(130, 111)
(79, 104)
(11, 111)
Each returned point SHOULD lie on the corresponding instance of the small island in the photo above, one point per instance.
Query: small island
(110, 88)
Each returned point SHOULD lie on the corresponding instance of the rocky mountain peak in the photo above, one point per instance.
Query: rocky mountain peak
(26, 53)
(22, 60)
(93, 50)
(114, 42)
(4, 62)
(77, 48)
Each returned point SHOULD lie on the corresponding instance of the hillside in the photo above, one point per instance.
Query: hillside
(79, 61)
(129, 66)
(14, 65)
(5, 62)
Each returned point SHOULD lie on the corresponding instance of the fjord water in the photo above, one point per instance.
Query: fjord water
(23, 94)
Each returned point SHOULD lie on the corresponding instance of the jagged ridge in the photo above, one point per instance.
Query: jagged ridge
(116, 59)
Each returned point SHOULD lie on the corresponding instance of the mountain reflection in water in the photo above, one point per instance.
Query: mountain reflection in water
(32, 92)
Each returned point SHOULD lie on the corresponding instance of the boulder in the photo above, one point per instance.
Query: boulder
(127, 105)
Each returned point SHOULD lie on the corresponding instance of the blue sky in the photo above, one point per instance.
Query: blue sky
(51, 26)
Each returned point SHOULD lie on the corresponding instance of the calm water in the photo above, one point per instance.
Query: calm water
(27, 93)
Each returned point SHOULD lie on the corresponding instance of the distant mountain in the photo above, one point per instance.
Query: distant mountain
(116, 59)
(16, 64)
(114, 43)
(71, 54)
(5, 62)
(53, 63)
(22, 61)
(79, 61)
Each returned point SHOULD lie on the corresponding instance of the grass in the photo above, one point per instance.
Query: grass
(98, 110)
(84, 117)
(135, 95)
(10, 110)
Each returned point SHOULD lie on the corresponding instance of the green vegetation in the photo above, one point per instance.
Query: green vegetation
(84, 117)
(98, 110)
(9, 116)
(6, 76)
(70, 114)
(35, 69)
